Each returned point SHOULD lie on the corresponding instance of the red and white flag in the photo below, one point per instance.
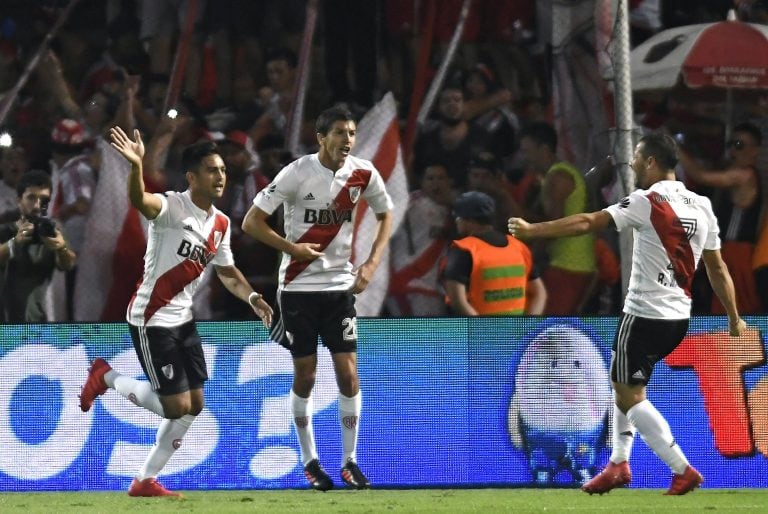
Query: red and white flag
(378, 140)
(111, 261)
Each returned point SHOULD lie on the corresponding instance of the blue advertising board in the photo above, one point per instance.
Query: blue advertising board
(507, 402)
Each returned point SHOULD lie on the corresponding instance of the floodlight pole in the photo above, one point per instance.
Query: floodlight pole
(624, 126)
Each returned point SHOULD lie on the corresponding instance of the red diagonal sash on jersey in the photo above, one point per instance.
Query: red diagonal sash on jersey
(674, 238)
(173, 281)
(324, 234)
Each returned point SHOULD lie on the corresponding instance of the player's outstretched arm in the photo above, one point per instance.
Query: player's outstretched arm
(722, 284)
(147, 204)
(235, 282)
(573, 225)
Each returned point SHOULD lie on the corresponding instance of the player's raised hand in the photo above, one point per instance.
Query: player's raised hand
(307, 251)
(133, 150)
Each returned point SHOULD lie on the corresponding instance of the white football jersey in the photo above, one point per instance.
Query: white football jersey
(181, 241)
(320, 207)
(672, 226)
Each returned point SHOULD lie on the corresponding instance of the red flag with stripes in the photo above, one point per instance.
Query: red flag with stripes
(378, 140)
(112, 258)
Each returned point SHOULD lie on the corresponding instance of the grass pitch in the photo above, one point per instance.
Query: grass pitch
(385, 501)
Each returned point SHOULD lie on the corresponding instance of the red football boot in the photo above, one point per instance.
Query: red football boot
(685, 483)
(611, 477)
(150, 487)
(94, 384)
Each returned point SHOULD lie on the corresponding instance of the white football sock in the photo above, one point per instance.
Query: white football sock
(656, 433)
(138, 392)
(301, 409)
(349, 414)
(623, 436)
(167, 441)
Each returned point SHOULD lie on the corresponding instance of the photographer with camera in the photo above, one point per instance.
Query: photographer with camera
(32, 248)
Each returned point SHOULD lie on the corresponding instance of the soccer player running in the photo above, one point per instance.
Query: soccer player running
(673, 229)
(317, 282)
(186, 233)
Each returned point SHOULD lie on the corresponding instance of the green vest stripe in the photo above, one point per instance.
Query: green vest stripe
(498, 295)
(503, 272)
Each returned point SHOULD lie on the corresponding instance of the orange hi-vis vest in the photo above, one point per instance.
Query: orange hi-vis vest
(499, 276)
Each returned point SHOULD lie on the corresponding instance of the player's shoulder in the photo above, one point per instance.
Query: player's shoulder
(215, 211)
(632, 200)
(303, 162)
(360, 163)
(699, 199)
(175, 198)
(297, 169)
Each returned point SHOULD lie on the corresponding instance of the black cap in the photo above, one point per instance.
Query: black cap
(474, 205)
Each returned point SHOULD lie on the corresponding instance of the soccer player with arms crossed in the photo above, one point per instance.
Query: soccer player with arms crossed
(317, 282)
(186, 233)
(673, 229)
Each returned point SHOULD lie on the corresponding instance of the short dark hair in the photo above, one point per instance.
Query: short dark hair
(33, 178)
(194, 153)
(330, 116)
(541, 132)
(751, 129)
(661, 147)
(453, 86)
(282, 54)
(421, 171)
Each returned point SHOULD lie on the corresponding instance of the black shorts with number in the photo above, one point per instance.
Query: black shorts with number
(640, 343)
(301, 317)
(172, 357)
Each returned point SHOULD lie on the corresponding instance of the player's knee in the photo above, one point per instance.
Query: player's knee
(196, 407)
(349, 384)
(174, 411)
(303, 386)
(178, 408)
(304, 376)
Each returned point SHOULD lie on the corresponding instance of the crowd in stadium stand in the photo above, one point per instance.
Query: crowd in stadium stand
(490, 130)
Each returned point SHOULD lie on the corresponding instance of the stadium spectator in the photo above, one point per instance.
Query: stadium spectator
(738, 209)
(673, 229)
(32, 248)
(488, 272)
(76, 182)
(13, 164)
(418, 246)
(486, 176)
(489, 105)
(451, 140)
(162, 21)
(160, 316)
(570, 275)
(278, 97)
